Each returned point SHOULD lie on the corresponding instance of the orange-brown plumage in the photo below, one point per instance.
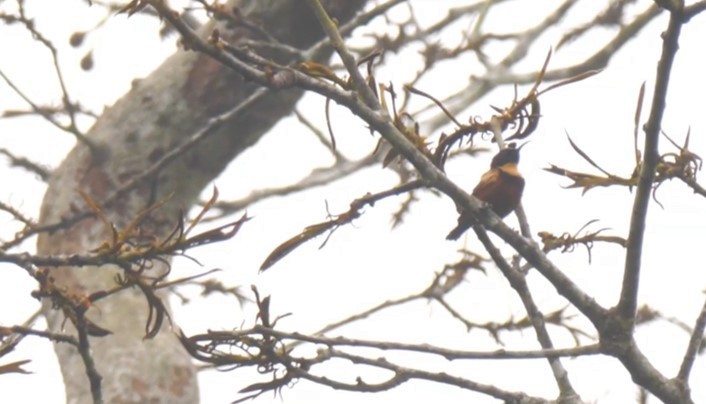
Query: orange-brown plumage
(501, 187)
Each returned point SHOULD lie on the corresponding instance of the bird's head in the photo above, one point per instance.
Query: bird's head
(508, 155)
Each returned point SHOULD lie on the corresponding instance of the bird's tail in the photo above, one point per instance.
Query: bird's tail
(464, 223)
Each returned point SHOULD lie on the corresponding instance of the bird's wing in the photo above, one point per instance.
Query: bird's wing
(486, 185)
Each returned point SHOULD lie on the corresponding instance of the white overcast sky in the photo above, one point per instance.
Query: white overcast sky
(368, 263)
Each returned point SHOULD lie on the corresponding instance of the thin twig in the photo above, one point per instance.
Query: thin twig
(359, 83)
(695, 343)
(84, 349)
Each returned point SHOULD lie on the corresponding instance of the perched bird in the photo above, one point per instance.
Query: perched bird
(501, 187)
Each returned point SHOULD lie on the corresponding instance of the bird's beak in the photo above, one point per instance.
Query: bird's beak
(523, 145)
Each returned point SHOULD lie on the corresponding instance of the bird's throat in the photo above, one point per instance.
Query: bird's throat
(510, 169)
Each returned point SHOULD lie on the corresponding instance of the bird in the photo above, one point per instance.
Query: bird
(500, 187)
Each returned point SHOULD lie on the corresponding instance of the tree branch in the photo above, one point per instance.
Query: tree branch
(695, 345)
(627, 304)
(519, 284)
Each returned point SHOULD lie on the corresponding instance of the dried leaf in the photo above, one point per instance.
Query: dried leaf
(638, 113)
(585, 156)
(573, 79)
(290, 245)
(15, 367)
(588, 181)
(206, 207)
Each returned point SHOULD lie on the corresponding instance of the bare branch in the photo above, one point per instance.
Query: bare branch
(518, 282)
(695, 345)
(627, 305)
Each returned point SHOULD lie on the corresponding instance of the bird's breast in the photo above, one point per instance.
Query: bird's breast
(501, 188)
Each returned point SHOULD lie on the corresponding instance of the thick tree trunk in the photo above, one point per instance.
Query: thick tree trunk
(159, 114)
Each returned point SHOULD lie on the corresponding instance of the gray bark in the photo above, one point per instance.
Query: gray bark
(160, 113)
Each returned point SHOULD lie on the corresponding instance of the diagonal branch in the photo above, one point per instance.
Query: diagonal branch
(359, 83)
(695, 344)
(519, 283)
